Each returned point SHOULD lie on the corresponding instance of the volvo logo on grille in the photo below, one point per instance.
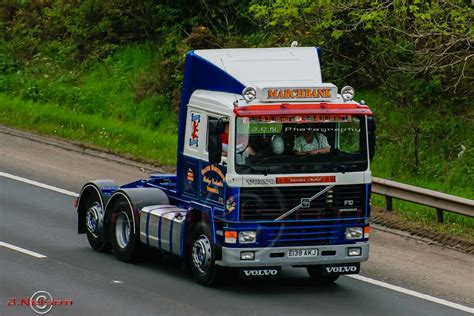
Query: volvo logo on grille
(305, 202)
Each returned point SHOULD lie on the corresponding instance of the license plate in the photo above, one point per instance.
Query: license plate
(299, 253)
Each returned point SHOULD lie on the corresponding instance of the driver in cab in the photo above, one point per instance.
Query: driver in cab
(311, 143)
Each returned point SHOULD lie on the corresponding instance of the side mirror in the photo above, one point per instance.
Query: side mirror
(371, 127)
(214, 146)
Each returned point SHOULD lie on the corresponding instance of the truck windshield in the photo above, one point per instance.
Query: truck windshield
(306, 144)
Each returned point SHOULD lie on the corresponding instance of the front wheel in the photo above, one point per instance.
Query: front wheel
(203, 257)
(316, 273)
(125, 243)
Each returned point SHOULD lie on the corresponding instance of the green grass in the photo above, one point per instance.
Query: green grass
(124, 86)
(454, 225)
(115, 103)
(443, 164)
(124, 138)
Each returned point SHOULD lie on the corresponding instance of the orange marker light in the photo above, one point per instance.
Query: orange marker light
(230, 236)
(366, 231)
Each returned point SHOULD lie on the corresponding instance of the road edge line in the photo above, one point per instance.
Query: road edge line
(38, 184)
(82, 148)
(22, 250)
(412, 293)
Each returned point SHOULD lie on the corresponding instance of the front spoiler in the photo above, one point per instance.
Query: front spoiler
(231, 256)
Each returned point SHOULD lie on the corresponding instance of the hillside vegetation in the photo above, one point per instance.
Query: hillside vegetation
(108, 73)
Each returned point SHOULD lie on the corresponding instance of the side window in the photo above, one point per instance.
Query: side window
(224, 136)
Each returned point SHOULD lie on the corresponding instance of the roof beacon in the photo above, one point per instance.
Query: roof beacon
(249, 94)
(347, 93)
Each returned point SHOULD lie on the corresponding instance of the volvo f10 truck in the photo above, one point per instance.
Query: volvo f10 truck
(273, 170)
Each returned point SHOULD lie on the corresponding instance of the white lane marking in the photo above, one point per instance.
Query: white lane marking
(22, 250)
(117, 281)
(356, 277)
(38, 184)
(412, 293)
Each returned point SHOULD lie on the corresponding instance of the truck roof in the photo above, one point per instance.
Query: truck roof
(293, 66)
(215, 79)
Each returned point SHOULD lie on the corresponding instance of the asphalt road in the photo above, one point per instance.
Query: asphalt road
(44, 221)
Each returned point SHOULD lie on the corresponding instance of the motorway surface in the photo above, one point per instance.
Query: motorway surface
(44, 221)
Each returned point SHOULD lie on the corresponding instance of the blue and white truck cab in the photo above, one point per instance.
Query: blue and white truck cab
(273, 170)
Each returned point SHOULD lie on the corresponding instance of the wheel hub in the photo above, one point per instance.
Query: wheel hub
(94, 219)
(122, 229)
(202, 254)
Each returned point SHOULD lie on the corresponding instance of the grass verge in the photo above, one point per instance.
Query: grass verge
(425, 218)
(123, 138)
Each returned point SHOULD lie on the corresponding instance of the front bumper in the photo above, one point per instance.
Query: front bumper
(335, 254)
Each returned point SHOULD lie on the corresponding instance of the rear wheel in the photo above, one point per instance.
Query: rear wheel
(316, 273)
(94, 219)
(125, 243)
(203, 257)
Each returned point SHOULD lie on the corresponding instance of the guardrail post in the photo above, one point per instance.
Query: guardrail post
(439, 215)
(388, 203)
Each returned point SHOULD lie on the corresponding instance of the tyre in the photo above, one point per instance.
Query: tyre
(203, 257)
(125, 244)
(316, 273)
(94, 219)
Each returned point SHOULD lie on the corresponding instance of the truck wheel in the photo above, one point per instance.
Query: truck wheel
(203, 257)
(315, 273)
(94, 219)
(125, 243)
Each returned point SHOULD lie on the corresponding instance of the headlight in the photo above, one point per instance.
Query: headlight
(247, 237)
(354, 252)
(354, 233)
(247, 255)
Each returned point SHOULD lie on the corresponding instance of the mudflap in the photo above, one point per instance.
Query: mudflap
(340, 269)
(257, 273)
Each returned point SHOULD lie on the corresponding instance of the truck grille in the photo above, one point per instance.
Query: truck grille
(268, 203)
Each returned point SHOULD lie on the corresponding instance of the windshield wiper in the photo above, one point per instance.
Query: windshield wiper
(260, 160)
(342, 167)
(297, 159)
(263, 170)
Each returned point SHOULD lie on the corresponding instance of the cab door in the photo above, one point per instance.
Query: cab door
(212, 188)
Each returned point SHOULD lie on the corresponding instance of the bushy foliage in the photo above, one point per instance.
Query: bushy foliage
(376, 44)
(124, 60)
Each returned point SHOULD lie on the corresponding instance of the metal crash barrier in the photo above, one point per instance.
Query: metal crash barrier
(440, 201)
